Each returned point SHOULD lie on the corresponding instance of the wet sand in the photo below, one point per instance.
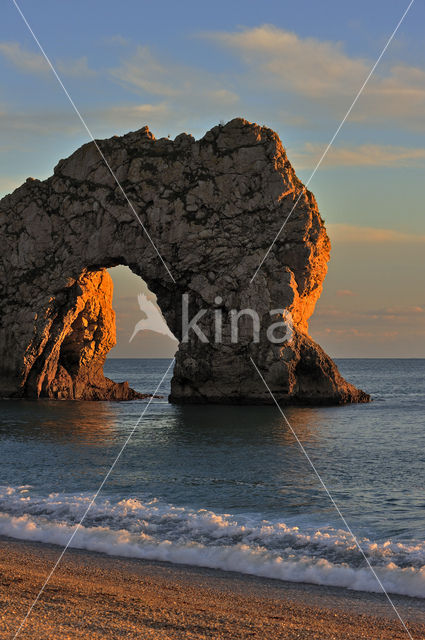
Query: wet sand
(95, 596)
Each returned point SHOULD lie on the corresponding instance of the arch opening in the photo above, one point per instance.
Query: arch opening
(141, 328)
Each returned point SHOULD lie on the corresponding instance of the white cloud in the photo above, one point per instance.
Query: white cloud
(23, 60)
(353, 234)
(306, 65)
(133, 114)
(143, 71)
(34, 62)
(324, 74)
(366, 155)
(182, 88)
(13, 122)
(78, 68)
(65, 122)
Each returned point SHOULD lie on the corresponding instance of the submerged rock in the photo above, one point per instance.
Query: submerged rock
(212, 207)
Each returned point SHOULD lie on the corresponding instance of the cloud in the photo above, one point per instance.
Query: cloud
(44, 122)
(183, 88)
(307, 66)
(143, 71)
(345, 292)
(392, 331)
(323, 73)
(401, 313)
(65, 122)
(117, 40)
(23, 60)
(353, 234)
(353, 332)
(32, 62)
(78, 68)
(362, 330)
(366, 155)
(391, 313)
(133, 115)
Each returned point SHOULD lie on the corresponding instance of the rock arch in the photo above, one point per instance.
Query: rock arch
(212, 207)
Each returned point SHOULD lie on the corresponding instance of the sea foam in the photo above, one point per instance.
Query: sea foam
(149, 529)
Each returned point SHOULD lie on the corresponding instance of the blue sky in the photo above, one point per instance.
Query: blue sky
(293, 66)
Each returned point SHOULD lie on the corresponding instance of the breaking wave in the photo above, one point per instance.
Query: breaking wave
(153, 530)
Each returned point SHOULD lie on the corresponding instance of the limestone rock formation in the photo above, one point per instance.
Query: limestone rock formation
(65, 360)
(212, 207)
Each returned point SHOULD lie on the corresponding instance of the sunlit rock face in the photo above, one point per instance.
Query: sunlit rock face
(212, 207)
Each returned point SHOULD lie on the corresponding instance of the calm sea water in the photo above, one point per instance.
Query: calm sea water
(228, 487)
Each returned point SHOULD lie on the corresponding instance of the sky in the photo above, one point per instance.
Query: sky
(295, 67)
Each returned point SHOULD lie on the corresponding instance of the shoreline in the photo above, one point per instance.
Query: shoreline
(100, 596)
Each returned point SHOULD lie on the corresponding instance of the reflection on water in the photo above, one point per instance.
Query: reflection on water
(85, 422)
(99, 422)
(251, 424)
(231, 459)
(222, 457)
(250, 447)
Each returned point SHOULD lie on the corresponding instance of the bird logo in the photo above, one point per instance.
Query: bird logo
(154, 320)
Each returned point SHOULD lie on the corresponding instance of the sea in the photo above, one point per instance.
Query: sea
(229, 487)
